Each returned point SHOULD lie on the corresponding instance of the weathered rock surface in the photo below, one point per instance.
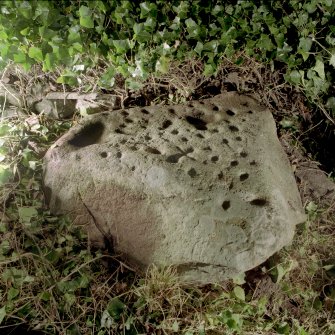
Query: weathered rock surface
(206, 186)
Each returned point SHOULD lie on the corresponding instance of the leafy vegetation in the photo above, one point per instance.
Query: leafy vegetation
(50, 279)
(138, 38)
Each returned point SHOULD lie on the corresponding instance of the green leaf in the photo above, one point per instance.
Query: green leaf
(69, 77)
(320, 68)
(3, 35)
(284, 328)
(331, 103)
(150, 24)
(26, 214)
(190, 23)
(16, 276)
(143, 36)
(115, 308)
(50, 62)
(265, 43)
(121, 46)
(20, 57)
(5, 174)
(287, 124)
(12, 293)
(209, 69)
(45, 296)
(5, 247)
(304, 54)
(46, 33)
(193, 28)
(305, 44)
(108, 78)
(85, 15)
(74, 34)
(198, 48)
(133, 84)
(53, 256)
(175, 326)
(69, 298)
(148, 9)
(162, 65)
(182, 9)
(4, 129)
(295, 77)
(2, 313)
(332, 60)
(35, 53)
(25, 9)
(239, 279)
(239, 293)
(211, 46)
(25, 32)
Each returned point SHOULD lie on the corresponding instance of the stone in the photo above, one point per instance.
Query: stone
(205, 187)
(63, 105)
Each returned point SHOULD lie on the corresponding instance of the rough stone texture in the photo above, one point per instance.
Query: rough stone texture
(206, 186)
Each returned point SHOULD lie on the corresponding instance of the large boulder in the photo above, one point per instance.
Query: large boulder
(205, 187)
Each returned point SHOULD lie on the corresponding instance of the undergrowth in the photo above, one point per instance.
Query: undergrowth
(136, 39)
(53, 282)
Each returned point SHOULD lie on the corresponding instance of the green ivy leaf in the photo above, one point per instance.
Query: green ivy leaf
(12, 293)
(74, 34)
(211, 46)
(108, 78)
(25, 9)
(115, 308)
(25, 31)
(69, 77)
(26, 214)
(121, 46)
(198, 48)
(133, 84)
(209, 69)
(295, 77)
(35, 53)
(182, 9)
(85, 15)
(320, 68)
(2, 313)
(148, 9)
(46, 34)
(49, 62)
(141, 35)
(265, 43)
(150, 24)
(5, 174)
(305, 44)
(3, 35)
(331, 103)
(332, 60)
(20, 57)
(69, 299)
(239, 293)
(192, 28)
(45, 296)
(162, 65)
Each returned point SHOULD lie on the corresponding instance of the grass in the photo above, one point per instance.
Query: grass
(53, 282)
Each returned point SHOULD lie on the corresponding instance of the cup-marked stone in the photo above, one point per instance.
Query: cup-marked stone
(205, 187)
